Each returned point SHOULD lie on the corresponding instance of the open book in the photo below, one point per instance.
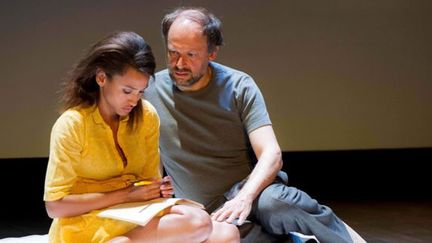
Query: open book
(142, 212)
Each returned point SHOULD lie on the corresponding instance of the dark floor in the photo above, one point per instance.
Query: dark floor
(388, 221)
(375, 221)
(15, 228)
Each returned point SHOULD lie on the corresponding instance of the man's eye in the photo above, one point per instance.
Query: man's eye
(172, 53)
(127, 91)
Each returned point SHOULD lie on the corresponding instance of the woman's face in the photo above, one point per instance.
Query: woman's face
(120, 93)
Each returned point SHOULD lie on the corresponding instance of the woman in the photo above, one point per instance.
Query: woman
(105, 140)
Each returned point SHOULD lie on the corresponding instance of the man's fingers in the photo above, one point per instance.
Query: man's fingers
(215, 214)
(232, 217)
(224, 214)
(242, 218)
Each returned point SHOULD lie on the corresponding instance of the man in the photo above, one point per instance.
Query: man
(214, 124)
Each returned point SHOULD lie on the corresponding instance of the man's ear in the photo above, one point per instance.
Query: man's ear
(213, 54)
(101, 77)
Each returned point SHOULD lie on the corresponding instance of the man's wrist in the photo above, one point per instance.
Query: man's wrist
(246, 196)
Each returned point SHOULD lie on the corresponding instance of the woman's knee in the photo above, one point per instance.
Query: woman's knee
(120, 239)
(197, 222)
(201, 222)
(224, 232)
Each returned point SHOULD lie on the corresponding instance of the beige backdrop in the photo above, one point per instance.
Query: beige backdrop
(335, 74)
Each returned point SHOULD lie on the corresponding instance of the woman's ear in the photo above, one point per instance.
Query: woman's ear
(101, 77)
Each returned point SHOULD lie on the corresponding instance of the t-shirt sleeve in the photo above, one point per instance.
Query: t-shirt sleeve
(252, 106)
(151, 135)
(65, 151)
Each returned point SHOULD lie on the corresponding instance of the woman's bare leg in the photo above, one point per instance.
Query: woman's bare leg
(223, 232)
(181, 224)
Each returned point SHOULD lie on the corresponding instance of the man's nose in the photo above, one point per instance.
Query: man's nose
(181, 62)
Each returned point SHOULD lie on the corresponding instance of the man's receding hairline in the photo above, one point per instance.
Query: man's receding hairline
(183, 21)
(191, 15)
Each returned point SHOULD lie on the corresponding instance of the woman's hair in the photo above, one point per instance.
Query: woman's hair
(212, 27)
(114, 55)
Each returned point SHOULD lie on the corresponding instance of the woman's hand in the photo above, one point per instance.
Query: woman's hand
(145, 192)
(166, 189)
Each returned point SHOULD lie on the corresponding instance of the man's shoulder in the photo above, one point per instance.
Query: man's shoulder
(158, 87)
(230, 77)
(161, 79)
(224, 71)
(162, 74)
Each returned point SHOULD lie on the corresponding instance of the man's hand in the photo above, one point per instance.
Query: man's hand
(236, 209)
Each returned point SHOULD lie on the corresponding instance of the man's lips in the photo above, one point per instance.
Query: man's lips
(181, 72)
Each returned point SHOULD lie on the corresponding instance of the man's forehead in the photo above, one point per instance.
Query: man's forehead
(185, 26)
(186, 35)
(183, 49)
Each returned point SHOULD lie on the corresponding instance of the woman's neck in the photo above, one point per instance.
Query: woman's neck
(110, 118)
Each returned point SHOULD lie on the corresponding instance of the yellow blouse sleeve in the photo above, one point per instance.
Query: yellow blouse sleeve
(151, 129)
(65, 150)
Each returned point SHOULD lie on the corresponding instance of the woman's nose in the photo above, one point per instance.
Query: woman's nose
(134, 98)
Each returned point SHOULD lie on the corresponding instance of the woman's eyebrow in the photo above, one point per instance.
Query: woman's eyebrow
(133, 88)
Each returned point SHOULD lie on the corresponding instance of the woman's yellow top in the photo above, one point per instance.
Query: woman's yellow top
(83, 158)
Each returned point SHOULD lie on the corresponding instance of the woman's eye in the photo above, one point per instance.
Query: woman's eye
(126, 91)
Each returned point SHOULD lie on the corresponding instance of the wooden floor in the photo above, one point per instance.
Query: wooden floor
(378, 222)
(375, 221)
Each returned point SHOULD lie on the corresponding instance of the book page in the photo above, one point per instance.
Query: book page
(142, 212)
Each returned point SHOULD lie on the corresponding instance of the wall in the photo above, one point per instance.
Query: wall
(336, 75)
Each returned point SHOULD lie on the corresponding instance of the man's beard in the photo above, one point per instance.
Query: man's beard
(187, 83)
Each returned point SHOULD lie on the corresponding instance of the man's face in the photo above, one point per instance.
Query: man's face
(187, 53)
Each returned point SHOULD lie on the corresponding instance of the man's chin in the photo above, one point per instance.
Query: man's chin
(183, 83)
(182, 86)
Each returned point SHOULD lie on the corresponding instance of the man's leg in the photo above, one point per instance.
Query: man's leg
(281, 209)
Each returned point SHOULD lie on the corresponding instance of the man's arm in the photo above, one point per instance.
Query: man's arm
(269, 156)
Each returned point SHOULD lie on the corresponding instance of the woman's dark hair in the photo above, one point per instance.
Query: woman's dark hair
(212, 27)
(114, 55)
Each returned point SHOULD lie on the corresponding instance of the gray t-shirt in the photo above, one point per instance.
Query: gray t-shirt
(204, 140)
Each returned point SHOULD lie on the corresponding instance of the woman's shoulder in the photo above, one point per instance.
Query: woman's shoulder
(77, 113)
(150, 116)
(148, 108)
(74, 116)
